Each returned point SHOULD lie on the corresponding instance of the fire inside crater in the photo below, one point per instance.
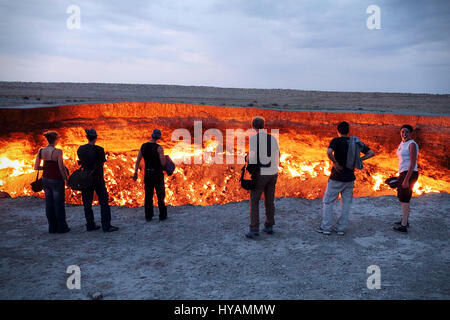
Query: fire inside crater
(303, 138)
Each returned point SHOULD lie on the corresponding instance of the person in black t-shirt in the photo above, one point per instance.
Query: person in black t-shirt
(154, 159)
(342, 178)
(92, 158)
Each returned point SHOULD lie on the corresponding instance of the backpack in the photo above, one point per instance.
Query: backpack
(169, 166)
(81, 179)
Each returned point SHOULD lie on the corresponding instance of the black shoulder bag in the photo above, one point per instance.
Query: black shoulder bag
(253, 169)
(36, 185)
(81, 179)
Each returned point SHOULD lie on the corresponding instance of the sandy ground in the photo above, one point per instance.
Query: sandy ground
(201, 253)
(26, 94)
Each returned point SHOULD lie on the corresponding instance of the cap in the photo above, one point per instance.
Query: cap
(91, 132)
(392, 182)
(156, 134)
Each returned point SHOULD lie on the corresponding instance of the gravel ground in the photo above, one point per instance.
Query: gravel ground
(201, 253)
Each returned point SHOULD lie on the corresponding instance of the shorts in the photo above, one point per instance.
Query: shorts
(404, 195)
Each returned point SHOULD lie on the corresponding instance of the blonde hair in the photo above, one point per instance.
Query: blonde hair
(258, 122)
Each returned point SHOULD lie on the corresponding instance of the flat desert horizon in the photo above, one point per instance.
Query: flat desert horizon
(40, 94)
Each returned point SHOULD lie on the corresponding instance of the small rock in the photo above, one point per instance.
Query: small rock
(97, 296)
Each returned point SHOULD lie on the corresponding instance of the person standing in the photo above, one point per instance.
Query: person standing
(264, 160)
(53, 178)
(154, 159)
(92, 158)
(344, 152)
(407, 153)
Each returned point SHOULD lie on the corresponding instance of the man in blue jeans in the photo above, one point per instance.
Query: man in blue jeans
(92, 158)
(344, 152)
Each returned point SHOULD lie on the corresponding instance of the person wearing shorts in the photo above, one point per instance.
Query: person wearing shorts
(407, 153)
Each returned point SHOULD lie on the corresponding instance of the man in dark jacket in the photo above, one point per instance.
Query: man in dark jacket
(92, 158)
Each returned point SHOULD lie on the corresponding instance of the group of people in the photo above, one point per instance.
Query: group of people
(343, 151)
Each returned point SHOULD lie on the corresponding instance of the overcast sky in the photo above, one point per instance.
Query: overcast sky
(292, 44)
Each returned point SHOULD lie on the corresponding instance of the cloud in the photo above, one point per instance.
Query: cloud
(311, 45)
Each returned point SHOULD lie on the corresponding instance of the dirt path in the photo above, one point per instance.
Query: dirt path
(200, 253)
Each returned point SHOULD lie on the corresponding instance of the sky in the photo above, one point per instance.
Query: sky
(289, 44)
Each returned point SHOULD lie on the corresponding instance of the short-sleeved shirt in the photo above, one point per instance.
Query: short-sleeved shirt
(92, 157)
(272, 146)
(340, 148)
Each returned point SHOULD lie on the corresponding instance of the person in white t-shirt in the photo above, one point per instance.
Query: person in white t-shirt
(407, 153)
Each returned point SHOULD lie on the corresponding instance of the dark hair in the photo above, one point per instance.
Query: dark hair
(407, 126)
(258, 122)
(343, 127)
(91, 134)
(51, 136)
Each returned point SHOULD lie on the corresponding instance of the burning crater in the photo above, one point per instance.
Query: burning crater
(303, 136)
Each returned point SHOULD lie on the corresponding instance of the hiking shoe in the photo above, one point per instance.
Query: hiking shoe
(111, 229)
(320, 230)
(399, 223)
(268, 230)
(252, 234)
(92, 228)
(400, 228)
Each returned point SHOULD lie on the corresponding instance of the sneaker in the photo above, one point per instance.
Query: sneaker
(252, 234)
(400, 229)
(340, 233)
(268, 230)
(399, 223)
(111, 229)
(320, 230)
(92, 228)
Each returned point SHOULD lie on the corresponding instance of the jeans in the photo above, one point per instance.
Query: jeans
(88, 196)
(334, 188)
(54, 205)
(154, 181)
(264, 184)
